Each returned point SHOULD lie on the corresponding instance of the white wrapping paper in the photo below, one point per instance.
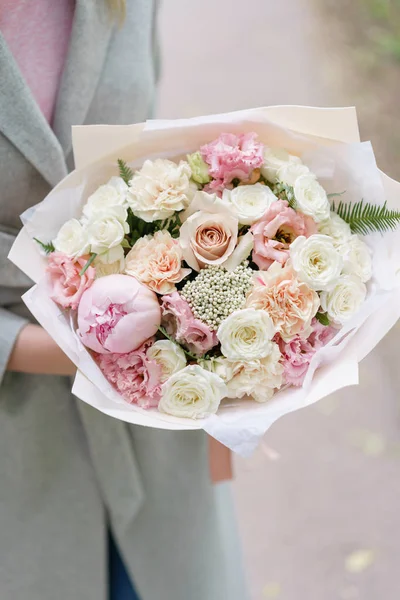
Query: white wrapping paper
(327, 140)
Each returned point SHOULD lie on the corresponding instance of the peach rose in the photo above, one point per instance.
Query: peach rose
(156, 261)
(67, 286)
(275, 231)
(290, 303)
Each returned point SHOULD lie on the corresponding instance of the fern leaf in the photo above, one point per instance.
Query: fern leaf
(48, 248)
(124, 171)
(365, 218)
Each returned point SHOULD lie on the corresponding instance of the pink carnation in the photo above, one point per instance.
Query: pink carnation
(67, 286)
(297, 352)
(180, 323)
(275, 231)
(135, 376)
(232, 157)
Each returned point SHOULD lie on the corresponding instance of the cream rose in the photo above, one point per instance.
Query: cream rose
(316, 261)
(207, 238)
(335, 228)
(257, 378)
(289, 302)
(105, 198)
(291, 171)
(107, 231)
(160, 188)
(193, 393)
(156, 261)
(245, 334)
(357, 258)
(275, 159)
(169, 356)
(249, 202)
(311, 198)
(344, 299)
(72, 239)
(111, 262)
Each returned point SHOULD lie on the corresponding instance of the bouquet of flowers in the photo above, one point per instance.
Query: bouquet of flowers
(192, 282)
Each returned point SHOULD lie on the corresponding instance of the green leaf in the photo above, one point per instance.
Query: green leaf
(89, 262)
(334, 195)
(48, 248)
(323, 318)
(171, 339)
(365, 218)
(124, 171)
(285, 192)
(125, 244)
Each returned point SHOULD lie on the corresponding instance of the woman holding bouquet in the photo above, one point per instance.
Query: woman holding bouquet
(77, 486)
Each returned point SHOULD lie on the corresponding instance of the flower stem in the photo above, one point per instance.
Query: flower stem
(171, 339)
(89, 262)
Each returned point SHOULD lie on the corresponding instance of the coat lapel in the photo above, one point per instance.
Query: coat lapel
(90, 38)
(23, 123)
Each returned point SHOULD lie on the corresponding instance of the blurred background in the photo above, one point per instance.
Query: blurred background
(318, 503)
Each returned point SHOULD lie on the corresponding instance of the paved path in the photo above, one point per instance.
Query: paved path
(320, 513)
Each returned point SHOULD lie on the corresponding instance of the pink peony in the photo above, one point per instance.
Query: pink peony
(66, 283)
(135, 376)
(232, 157)
(297, 353)
(275, 231)
(180, 323)
(117, 314)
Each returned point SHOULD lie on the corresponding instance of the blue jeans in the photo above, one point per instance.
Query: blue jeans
(120, 585)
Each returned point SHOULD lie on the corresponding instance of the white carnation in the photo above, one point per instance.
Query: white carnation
(249, 202)
(344, 299)
(111, 262)
(335, 228)
(245, 334)
(275, 159)
(316, 261)
(192, 393)
(105, 198)
(169, 356)
(72, 239)
(160, 188)
(357, 258)
(107, 231)
(311, 198)
(257, 378)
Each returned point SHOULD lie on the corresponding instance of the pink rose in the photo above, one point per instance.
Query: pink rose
(275, 231)
(290, 303)
(157, 262)
(135, 376)
(66, 283)
(117, 314)
(297, 353)
(232, 157)
(181, 324)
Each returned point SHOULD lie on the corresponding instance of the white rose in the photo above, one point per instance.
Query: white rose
(344, 299)
(311, 198)
(274, 159)
(249, 202)
(357, 258)
(335, 228)
(245, 334)
(160, 188)
(72, 239)
(219, 365)
(257, 378)
(111, 262)
(108, 231)
(169, 356)
(105, 198)
(316, 261)
(291, 171)
(193, 393)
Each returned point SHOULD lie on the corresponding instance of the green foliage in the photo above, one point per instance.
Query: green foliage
(48, 248)
(285, 192)
(322, 318)
(171, 339)
(365, 218)
(124, 171)
(88, 263)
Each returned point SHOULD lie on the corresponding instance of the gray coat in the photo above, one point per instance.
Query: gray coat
(67, 470)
